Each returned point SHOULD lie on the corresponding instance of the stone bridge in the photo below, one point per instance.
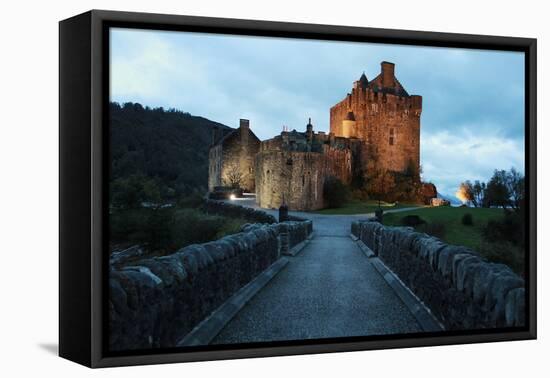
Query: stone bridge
(340, 276)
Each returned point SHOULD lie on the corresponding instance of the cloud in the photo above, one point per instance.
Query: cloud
(451, 158)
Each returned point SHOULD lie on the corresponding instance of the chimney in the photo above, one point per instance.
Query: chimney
(244, 124)
(388, 74)
(244, 127)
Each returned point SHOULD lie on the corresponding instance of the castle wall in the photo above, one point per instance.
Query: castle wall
(296, 176)
(338, 163)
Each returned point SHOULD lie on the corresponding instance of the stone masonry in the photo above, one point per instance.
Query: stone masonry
(381, 113)
(232, 157)
(463, 290)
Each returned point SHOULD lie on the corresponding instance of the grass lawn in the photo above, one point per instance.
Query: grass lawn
(362, 207)
(455, 232)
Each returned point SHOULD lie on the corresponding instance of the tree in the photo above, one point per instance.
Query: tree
(127, 192)
(381, 185)
(478, 193)
(335, 192)
(465, 192)
(515, 184)
(234, 176)
(132, 191)
(497, 193)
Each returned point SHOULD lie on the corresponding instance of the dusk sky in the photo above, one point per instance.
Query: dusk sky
(473, 100)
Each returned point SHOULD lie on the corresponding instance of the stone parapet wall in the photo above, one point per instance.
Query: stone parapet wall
(298, 230)
(155, 301)
(462, 289)
(233, 210)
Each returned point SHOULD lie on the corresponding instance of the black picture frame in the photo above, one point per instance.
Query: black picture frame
(83, 100)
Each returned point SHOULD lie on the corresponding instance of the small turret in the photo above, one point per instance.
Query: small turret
(309, 131)
(348, 125)
(362, 82)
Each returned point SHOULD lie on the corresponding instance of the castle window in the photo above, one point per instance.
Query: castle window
(303, 180)
(392, 135)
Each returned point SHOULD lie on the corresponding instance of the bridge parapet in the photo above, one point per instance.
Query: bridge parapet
(234, 210)
(462, 289)
(154, 301)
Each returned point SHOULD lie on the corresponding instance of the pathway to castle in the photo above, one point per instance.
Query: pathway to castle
(329, 289)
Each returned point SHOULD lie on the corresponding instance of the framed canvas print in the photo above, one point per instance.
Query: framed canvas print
(235, 188)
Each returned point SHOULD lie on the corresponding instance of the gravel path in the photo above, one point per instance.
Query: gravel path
(328, 290)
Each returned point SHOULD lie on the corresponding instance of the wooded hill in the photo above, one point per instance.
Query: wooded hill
(168, 146)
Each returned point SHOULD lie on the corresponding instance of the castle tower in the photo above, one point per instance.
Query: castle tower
(383, 114)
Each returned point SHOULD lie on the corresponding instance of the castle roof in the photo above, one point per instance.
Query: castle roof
(233, 133)
(397, 89)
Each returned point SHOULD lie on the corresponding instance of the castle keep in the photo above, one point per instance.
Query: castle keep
(377, 124)
(381, 113)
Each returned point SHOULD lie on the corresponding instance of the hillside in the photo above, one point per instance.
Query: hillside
(168, 145)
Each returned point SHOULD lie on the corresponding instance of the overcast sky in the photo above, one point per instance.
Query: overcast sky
(473, 100)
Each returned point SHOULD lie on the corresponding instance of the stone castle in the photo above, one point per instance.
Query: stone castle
(377, 122)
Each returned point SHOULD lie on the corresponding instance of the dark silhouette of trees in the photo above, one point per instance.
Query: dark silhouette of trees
(504, 189)
(478, 193)
(515, 183)
(497, 193)
(168, 146)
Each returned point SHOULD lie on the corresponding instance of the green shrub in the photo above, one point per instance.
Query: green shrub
(335, 192)
(165, 230)
(412, 220)
(505, 253)
(467, 219)
(191, 200)
(510, 228)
